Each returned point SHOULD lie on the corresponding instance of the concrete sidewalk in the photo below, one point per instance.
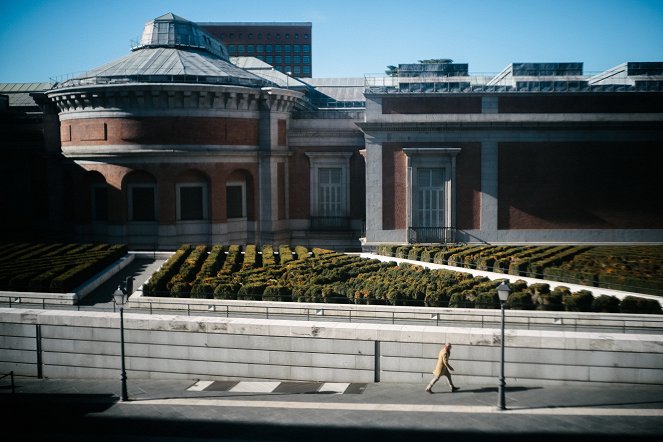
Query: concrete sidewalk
(159, 410)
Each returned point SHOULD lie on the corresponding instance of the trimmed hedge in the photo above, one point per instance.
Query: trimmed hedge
(326, 276)
(54, 267)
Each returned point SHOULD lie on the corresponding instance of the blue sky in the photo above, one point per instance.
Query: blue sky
(49, 39)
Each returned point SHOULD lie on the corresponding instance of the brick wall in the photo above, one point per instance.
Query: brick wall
(580, 185)
(161, 130)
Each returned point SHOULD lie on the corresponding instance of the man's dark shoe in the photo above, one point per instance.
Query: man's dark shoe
(454, 389)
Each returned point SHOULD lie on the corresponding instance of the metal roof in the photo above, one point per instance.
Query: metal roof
(172, 50)
(19, 93)
(266, 71)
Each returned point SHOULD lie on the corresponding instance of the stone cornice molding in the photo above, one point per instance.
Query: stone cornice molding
(151, 98)
(280, 100)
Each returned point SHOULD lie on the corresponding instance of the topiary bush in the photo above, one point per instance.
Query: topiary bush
(636, 304)
(226, 291)
(579, 301)
(520, 300)
(605, 304)
(277, 293)
(202, 291)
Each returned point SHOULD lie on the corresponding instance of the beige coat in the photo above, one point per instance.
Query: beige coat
(442, 367)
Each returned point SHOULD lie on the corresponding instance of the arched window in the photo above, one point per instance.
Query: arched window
(141, 193)
(98, 197)
(192, 196)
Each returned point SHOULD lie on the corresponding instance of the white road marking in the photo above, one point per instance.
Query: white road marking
(413, 408)
(200, 385)
(255, 387)
(335, 387)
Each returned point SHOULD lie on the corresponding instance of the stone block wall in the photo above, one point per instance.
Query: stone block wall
(71, 344)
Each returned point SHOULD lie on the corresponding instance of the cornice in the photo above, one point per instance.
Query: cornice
(172, 99)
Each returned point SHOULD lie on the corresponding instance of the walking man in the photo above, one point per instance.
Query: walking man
(442, 369)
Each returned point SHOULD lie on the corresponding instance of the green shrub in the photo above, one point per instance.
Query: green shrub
(605, 304)
(202, 291)
(579, 301)
(301, 252)
(462, 300)
(277, 293)
(226, 291)
(520, 300)
(285, 254)
(636, 304)
(487, 300)
(180, 290)
(251, 292)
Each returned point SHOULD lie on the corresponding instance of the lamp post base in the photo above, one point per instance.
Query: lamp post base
(501, 402)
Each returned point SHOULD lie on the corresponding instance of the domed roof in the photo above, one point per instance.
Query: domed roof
(171, 50)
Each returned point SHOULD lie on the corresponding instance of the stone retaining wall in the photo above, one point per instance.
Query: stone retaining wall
(71, 344)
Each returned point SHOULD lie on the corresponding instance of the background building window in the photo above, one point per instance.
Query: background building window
(430, 197)
(192, 202)
(100, 202)
(142, 202)
(236, 200)
(330, 183)
(330, 191)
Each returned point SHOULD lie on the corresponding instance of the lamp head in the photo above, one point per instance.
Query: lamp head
(119, 296)
(503, 291)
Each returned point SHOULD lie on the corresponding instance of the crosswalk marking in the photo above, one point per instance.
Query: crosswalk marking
(288, 387)
(255, 387)
(200, 385)
(335, 387)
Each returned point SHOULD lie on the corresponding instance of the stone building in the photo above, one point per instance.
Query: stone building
(178, 142)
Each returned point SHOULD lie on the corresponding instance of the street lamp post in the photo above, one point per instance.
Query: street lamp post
(503, 291)
(120, 298)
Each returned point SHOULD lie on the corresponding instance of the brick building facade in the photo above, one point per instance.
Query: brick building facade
(175, 144)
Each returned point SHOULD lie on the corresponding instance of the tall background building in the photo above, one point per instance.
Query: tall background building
(286, 46)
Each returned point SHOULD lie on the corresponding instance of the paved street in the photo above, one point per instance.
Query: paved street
(179, 410)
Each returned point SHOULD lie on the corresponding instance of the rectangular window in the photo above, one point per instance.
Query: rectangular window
(142, 203)
(235, 197)
(268, 49)
(100, 203)
(192, 202)
(330, 196)
(306, 59)
(430, 197)
(306, 49)
(250, 49)
(295, 49)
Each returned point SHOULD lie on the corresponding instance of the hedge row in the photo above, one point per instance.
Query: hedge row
(326, 276)
(632, 268)
(56, 268)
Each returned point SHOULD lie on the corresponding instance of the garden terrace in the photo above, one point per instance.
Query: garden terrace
(53, 268)
(249, 273)
(631, 268)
